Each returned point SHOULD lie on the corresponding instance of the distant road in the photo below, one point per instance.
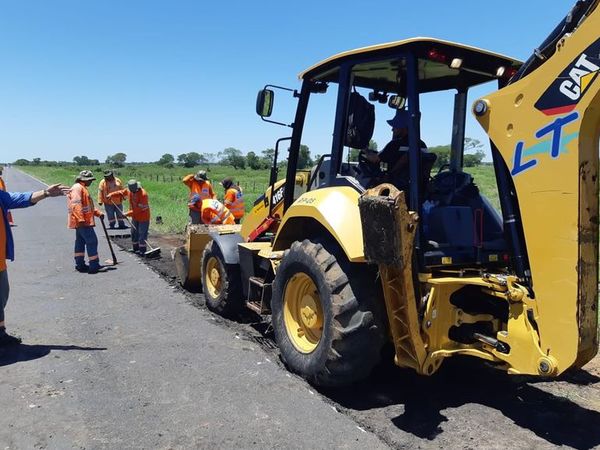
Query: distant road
(121, 360)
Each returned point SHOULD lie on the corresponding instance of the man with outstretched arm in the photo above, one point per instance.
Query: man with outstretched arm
(3, 188)
(14, 200)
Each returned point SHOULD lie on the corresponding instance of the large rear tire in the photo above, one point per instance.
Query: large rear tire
(221, 283)
(326, 321)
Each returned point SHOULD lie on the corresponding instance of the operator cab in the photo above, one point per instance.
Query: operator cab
(458, 226)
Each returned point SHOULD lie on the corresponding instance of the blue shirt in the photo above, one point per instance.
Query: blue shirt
(12, 200)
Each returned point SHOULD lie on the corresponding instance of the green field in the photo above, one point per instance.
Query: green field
(168, 195)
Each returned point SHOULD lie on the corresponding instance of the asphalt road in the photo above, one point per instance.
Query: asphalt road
(123, 360)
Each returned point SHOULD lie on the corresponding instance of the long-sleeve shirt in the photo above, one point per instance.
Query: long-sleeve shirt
(215, 213)
(106, 187)
(10, 200)
(234, 201)
(81, 207)
(139, 208)
(199, 190)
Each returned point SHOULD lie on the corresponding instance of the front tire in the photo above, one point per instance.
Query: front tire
(221, 283)
(325, 316)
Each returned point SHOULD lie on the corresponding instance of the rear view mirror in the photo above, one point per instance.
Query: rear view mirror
(264, 102)
(397, 102)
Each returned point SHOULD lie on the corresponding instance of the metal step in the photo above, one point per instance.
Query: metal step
(259, 295)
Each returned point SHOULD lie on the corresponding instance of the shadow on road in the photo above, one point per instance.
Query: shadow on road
(459, 382)
(25, 352)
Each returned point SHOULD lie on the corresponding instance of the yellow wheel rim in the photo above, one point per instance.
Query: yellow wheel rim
(303, 313)
(212, 277)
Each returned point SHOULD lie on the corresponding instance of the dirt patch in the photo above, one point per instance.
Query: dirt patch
(467, 404)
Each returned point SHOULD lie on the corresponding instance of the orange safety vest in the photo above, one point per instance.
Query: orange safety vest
(139, 209)
(81, 207)
(215, 213)
(234, 201)
(202, 188)
(106, 187)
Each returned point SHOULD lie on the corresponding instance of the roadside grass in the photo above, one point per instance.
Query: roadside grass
(168, 195)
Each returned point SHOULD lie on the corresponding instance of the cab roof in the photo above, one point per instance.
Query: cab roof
(381, 66)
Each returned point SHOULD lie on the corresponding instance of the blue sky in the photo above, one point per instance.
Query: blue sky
(152, 77)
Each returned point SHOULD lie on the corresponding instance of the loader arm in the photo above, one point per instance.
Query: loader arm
(544, 128)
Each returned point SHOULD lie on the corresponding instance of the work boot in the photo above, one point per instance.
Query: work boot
(94, 267)
(111, 226)
(6, 339)
(122, 226)
(82, 268)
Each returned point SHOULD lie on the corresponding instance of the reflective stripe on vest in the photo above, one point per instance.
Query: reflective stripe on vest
(221, 214)
(237, 206)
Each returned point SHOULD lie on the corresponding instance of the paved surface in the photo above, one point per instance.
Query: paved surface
(122, 360)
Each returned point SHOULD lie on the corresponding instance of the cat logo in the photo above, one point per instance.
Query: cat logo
(565, 92)
(580, 77)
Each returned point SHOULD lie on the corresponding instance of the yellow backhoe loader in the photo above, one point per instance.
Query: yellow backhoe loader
(349, 256)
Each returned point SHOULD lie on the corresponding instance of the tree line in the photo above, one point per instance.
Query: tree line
(116, 160)
(472, 156)
(234, 157)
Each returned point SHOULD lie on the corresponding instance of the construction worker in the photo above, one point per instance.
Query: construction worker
(81, 219)
(395, 153)
(200, 189)
(213, 212)
(14, 200)
(233, 199)
(114, 205)
(139, 211)
(3, 188)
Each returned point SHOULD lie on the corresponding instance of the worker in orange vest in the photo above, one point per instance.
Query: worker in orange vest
(200, 189)
(114, 205)
(139, 211)
(81, 219)
(3, 188)
(213, 212)
(233, 199)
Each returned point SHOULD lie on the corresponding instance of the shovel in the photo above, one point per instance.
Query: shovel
(153, 252)
(112, 252)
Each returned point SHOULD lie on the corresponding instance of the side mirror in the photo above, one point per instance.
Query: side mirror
(377, 96)
(264, 102)
(397, 102)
